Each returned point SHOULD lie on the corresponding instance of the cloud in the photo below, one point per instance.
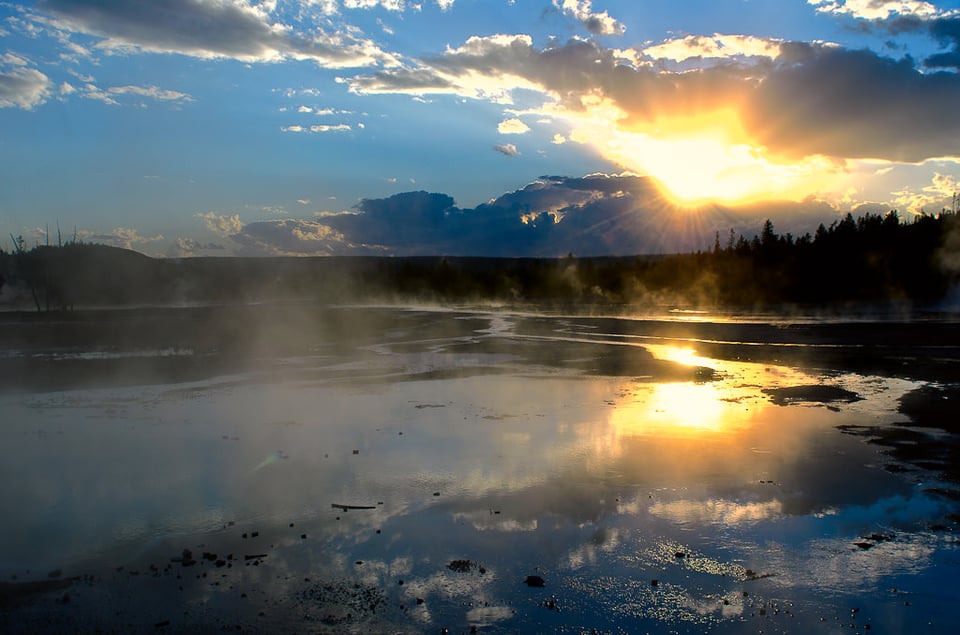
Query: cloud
(864, 106)
(330, 128)
(120, 237)
(812, 100)
(507, 149)
(512, 126)
(222, 224)
(595, 23)
(877, 9)
(389, 5)
(558, 139)
(318, 128)
(934, 197)
(152, 92)
(717, 46)
(204, 29)
(21, 86)
(295, 237)
(593, 215)
(189, 247)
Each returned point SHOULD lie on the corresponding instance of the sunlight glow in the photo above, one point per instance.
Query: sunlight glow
(700, 158)
(686, 356)
(685, 409)
(679, 410)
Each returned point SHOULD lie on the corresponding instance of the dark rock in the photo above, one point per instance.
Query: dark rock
(461, 566)
(816, 393)
(535, 581)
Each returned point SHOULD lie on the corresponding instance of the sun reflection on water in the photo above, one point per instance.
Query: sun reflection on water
(685, 409)
(680, 410)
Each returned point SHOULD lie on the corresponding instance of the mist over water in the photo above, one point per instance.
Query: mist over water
(357, 469)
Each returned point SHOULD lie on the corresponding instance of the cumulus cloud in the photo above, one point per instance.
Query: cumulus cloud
(294, 237)
(512, 126)
(124, 237)
(592, 215)
(507, 149)
(190, 247)
(239, 30)
(596, 23)
(717, 46)
(935, 196)
(20, 85)
(222, 224)
(877, 9)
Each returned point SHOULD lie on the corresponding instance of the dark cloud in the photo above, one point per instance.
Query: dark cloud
(205, 29)
(589, 216)
(946, 31)
(507, 149)
(811, 100)
(856, 104)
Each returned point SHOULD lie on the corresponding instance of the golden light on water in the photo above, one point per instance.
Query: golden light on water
(677, 409)
(686, 356)
(683, 409)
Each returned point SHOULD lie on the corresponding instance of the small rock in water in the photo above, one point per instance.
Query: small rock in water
(535, 581)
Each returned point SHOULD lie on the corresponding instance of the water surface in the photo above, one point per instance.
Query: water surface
(385, 470)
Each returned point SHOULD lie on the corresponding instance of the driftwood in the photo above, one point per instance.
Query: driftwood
(347, 508)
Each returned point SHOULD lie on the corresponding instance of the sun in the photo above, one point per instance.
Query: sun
(703, 157)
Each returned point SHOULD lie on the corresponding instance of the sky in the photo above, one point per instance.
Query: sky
(468, 127)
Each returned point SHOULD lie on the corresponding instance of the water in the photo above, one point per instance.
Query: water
(599, 455)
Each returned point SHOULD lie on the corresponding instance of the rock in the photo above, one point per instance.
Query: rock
(535, 581)
(461, 566)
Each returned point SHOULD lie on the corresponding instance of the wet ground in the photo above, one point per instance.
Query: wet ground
(297, 469)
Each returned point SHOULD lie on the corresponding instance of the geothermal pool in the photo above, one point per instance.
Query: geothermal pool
(365, 469)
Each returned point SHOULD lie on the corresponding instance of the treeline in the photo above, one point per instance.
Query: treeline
(872, 259)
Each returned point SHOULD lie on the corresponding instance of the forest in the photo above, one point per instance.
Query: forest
(853, 262)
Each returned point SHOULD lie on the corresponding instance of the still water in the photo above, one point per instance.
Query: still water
(388, 470)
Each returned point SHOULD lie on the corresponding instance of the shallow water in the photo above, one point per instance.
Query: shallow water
(648, 493)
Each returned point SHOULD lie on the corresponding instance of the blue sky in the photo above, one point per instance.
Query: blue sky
(215, 127)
